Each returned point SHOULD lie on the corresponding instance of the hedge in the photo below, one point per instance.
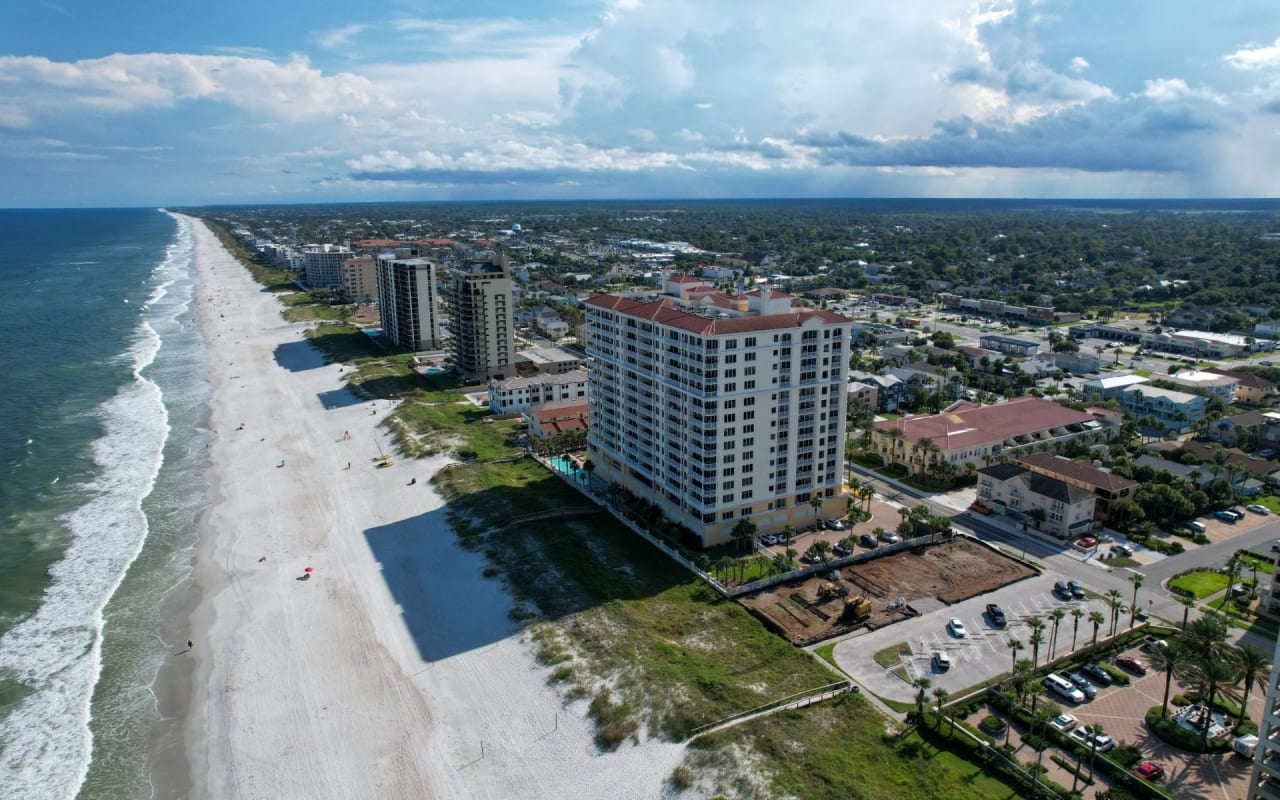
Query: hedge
(1170, 731)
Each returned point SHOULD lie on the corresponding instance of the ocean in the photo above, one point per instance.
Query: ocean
(102, 446)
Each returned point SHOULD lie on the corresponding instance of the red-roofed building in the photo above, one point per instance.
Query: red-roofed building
(719, 408)
(966, 433)
(553, 419)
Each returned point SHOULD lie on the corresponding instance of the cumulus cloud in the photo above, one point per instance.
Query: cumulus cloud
(1259, 57)
(1078, 64)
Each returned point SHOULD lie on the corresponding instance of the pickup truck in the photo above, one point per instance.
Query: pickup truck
(996, 615)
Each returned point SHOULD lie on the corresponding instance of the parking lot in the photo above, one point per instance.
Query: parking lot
(982, 654)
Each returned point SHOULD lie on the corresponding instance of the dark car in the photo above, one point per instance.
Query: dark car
(1077, 591)
(1132, 664)
(1082, 683)
(1096, 674)
(1060, 589)
(996, 615)
(868, 541)
(841, 550)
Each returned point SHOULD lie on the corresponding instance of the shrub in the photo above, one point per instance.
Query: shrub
(992, 725)
(1035, 741)
(1118, 676)
(1126, 755)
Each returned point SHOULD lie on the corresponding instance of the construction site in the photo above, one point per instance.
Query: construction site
(884, 590)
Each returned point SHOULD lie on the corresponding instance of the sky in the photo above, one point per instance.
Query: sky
(136, 102)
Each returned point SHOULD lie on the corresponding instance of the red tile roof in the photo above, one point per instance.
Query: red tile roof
(1081, 471)
(1245, 378)
(684, 279)
(965, 424)
(666, 312)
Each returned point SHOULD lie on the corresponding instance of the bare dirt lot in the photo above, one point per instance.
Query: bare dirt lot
(950, 572)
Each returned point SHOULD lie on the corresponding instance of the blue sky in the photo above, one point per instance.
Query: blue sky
(143, 103)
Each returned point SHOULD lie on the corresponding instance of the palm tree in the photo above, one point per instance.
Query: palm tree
(1213, 678)
(1097, 619)
(1014, 646)
(1037, 638)
(1076, 614)
(822, 547)
(1173, 658)
(1056, 615)
(1206, 637)
(1254, 668)
(1187, 603)
(922, 694)
(940, 696)
(744, 533)
(1136, 579)
(1113, 600)
(816, 503)
(1094, 732)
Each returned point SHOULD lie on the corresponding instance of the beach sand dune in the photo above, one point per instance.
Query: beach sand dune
(394, 670)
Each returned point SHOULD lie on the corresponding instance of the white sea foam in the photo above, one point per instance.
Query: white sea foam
(56, 652)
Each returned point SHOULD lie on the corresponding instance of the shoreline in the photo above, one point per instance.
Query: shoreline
(396, 669)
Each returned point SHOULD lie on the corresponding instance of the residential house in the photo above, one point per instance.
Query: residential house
(1106, 486)
(890, 389)
(1015, 491)
(1217, 384)
(1111, 387)
(1251, 390)
(1173, 411)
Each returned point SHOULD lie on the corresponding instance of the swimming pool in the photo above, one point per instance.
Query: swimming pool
(565, 466)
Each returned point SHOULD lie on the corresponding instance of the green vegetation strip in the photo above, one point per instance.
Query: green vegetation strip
(891, 656)
(1200, 584)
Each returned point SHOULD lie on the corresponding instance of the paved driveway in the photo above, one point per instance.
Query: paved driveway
(980, 656)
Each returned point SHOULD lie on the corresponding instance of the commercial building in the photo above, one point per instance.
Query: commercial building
(360, 280)
(1009, 345)
(483, 329)
(719, 409)
(322, 265)
(407, 302)
(1013, 490)
(513, 395)
(967, 433)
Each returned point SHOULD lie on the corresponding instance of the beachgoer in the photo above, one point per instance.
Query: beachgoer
(348, 465)
(190, 644)
(264, 558)
(412, 481)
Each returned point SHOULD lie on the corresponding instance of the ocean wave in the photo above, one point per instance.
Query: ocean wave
(57, 651)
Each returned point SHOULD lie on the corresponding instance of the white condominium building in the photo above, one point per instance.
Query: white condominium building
(322, 264)
(1264, 784)
(719, 408)
(408, 305)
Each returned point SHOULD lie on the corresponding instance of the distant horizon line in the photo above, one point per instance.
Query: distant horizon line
(663, 200)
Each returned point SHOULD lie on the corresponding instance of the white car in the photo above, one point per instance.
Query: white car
(941, 661)
(1257, 509)
(1063, 722)
(1103, 741)
(956, 627)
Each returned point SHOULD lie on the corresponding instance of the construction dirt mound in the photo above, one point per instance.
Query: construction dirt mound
(815, 608)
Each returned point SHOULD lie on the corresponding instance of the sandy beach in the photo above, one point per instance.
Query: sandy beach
(394, 670)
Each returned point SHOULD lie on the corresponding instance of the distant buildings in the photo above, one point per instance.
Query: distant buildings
(322, 264)
(549, 361)
(408, 306)
(1194, 343)
(483, 328)
(1009, 345)
(360, 280)
(719, 409)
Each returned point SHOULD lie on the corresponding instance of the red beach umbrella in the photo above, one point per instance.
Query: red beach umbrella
(309, 569)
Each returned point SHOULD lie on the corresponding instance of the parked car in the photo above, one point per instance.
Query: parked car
(956, 627)
(1096, 674)
(1082, 683)
(1151, 644)
(1275, 546)
(1063, 688)
(1103, 741)
(1132, 664)
(810, 557)
(1225, 516)
(1235, 512)
(1064, 722)
(1077, 591)
(1061, 589)
(941, 661)
(1123, 549)
(1266, 452)
(1257, 509)
(1196, 525)
(770, 539)
(868, 541)
(1087, 542)
(837, 525)
(840, 550)
(996, 615)
(1149, 771)
(889, 537)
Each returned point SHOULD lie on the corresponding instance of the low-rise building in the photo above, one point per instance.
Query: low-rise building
(967, 433)
(1111, 387)
(1106, 487)
(549, 361)
(1173, 411)
(1219, 385)
(1251, 389)
(360, 280)
(556, 418)
(1015, 491)
(514, 395)
(1010, 345)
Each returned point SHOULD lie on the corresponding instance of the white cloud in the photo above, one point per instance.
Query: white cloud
(1259, 57)
(1165, 90)
(1078, 64)
(13, 117)
(338, 38)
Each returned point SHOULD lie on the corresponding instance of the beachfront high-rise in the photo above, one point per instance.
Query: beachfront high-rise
(719, 408)
(360, 280)
(407, 301)
(481, 318)
(322, 265)
(1264, 784)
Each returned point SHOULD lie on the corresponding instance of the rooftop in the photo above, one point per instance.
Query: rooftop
(1081, 471)
(967, 424)
(664, 311)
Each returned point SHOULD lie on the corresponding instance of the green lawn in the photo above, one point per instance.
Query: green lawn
(1265, 565)
(840, 749)
(1200, 584)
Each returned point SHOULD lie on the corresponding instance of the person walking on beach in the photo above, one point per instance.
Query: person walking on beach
(190, 645)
